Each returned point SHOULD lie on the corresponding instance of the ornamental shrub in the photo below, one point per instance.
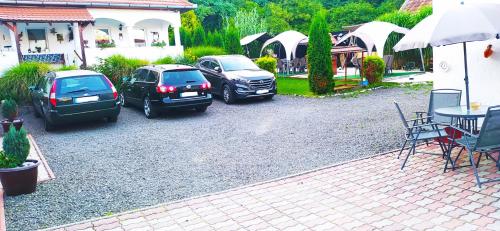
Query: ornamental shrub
(194, 53)
(267, 63)
(165, 60)
(373, 69)
(232, 40)
(185, 37)
(9, 109)
(199, 38)
(319, 56)
(16, 148)
(217, 39)
(15, 81)
(115, 67)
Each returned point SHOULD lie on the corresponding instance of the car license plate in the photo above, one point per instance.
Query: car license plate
(87, 99)
(262, 91)
(189, 94)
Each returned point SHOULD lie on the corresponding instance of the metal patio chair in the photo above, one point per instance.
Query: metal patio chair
(388, 60)
(486, 142)
(418, 132)
(440, 98)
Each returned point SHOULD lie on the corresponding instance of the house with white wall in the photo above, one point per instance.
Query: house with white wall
(79, 32)
(484, 73)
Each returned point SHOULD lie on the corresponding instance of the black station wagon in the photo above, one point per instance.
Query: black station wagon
(163, 87)
(70, 96)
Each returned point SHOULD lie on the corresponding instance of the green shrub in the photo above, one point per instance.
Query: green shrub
(267, 63)
(232, 40)
(217, 40)
(374, 68)
(15, 82)
(199, 38)
(68, 68)
(194, 53)
(319, 56)
(185, 37)
(9, 109)
(165, 60)
(16, 148)
(159, 44)
(115, 67)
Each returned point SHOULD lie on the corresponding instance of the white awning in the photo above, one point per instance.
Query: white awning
(375, 34)
(248, 39)
(289, 39)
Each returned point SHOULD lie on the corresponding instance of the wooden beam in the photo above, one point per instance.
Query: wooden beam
(8, 26)
(82, 26)
(18, 44)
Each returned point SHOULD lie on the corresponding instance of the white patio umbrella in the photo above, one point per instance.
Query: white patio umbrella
(461, 24)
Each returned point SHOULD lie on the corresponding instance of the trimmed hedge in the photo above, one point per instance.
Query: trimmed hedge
(115, 67)
(191, 55)
(267, 63)
(374, 69)
(15, 82)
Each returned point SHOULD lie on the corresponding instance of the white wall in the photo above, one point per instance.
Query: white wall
(146, 53)
(484, 74)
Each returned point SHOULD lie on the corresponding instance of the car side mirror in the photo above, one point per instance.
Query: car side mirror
(125, 79)
(218, 69)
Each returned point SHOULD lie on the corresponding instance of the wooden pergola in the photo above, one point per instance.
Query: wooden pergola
(346, 50)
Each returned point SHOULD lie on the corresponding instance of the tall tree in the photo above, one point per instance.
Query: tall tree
(319, 56)
(249, 22)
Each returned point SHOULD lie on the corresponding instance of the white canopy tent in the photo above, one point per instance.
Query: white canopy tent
(289, 39)
(374, 35)
(250, 38)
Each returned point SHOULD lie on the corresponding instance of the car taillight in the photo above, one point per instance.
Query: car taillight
(165, 89)
(115, 93)
(52, 95)
(206, 86)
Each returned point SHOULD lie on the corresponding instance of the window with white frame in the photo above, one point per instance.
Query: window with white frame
(37, 40)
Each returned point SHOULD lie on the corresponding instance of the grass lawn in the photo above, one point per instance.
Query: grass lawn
(295, 86)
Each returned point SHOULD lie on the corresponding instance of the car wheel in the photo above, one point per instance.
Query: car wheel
(47, 125)
(37, 114)
(228, 94)
(113, 119)
(201, 109)
(149, 111)
(123, 102)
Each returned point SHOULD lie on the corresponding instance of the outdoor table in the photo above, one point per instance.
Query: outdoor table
(463, 118)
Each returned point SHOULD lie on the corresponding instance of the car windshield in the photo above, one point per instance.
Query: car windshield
(237, 64)
(182, 77)
(82, 84)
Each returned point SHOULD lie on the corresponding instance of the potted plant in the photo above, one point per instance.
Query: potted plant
(17, 174)
(9, 113)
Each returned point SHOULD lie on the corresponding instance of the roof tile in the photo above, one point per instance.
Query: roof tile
(45, 14)
(414, 5)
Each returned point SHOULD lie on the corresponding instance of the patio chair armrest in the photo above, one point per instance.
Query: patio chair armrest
(419, 119)
(468, 133)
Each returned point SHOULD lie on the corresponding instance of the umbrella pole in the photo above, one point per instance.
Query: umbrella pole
(466, 77)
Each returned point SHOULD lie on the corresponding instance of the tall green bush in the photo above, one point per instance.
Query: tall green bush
(218, 39)
(115, 67)
(373, 69)
(194, 53)
(232, 40)
(267, 63)
(15, 81)
(199, 38)
(16, 148)
(185, 37)
(9, 109)
(319, 56)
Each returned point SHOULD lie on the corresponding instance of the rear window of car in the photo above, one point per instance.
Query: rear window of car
(182, 77)
(82, 84)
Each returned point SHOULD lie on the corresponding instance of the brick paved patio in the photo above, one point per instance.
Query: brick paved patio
(367, 194)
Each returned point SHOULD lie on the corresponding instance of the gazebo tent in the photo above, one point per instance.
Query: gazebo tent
(289, 39)
(374, 35)
(251, 38)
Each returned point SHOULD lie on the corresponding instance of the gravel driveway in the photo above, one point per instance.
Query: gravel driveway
(104, 168)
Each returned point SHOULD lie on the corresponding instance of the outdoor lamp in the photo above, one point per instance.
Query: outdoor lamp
(489, 51)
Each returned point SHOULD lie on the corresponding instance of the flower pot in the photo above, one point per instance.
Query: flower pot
(6, 125)
(18, 123)
(20, 180)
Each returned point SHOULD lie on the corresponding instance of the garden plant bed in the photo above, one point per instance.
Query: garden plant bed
(139, 162)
